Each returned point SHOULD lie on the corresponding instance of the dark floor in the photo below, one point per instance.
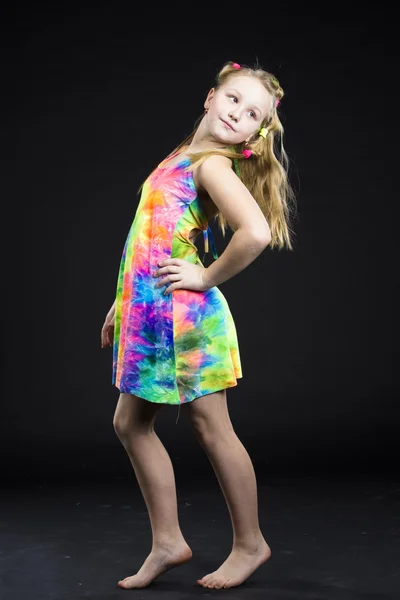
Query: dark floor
(331, 537)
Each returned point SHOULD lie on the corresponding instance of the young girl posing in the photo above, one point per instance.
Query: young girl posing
(173, 336)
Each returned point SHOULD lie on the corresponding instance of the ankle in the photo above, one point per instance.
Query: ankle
(168, 541)
(249, 543)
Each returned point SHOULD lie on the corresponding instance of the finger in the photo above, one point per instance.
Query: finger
(168, 279)
(169, 261)
(168, 269)
(104, 335)
(171, 288)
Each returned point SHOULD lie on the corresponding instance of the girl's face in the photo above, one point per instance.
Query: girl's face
(237, 109)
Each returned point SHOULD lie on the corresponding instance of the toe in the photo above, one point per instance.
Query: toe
(125, 582)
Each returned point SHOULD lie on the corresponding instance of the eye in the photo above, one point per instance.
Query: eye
(253, 114)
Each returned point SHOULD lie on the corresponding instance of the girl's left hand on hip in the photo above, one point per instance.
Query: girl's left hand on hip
(182, 274)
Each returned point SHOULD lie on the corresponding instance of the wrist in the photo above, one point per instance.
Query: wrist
(206, 279)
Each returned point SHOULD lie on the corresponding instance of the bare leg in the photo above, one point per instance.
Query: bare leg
(235, 473)
(134, 424)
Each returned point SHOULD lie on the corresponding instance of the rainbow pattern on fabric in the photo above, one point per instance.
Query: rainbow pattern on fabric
(171, 348)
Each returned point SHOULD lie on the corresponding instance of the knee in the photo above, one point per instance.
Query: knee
(127, 429)
(133, 417)
(203, 430)
(122, 427)
(211, 431)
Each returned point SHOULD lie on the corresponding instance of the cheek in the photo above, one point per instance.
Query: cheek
(221, 104)
(245, 130)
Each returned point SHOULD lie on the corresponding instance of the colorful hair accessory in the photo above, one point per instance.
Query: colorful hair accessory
(263, 132)
(277, 103)
(236, 65)
(247, 153)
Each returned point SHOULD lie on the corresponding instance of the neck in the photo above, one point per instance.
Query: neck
(202, 140)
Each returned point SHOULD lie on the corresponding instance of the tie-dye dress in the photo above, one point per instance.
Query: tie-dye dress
(172, 348)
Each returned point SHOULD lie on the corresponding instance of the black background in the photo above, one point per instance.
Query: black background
(93, 100)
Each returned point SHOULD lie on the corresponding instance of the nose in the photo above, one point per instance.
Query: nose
(233, 115)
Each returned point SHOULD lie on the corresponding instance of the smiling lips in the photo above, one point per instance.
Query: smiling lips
(228, 125)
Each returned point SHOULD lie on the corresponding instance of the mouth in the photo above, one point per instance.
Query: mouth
(227, 124)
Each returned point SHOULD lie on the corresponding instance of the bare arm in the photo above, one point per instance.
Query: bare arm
(251, 231)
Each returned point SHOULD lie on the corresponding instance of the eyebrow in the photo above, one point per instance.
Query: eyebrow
(235, 90)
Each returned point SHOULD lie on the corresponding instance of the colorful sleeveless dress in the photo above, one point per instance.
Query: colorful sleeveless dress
(173, 348)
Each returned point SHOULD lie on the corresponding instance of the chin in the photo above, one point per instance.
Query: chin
(224, 139)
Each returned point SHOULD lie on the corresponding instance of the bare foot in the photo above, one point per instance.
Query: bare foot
(159, 560)
(239, 565)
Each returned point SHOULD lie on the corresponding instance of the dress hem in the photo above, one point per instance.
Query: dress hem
(218, 389)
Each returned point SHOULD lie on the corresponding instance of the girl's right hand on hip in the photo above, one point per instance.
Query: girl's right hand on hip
(107, 331)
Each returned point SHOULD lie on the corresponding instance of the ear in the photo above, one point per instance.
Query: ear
(210, 96)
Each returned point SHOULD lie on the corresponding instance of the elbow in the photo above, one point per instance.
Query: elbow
(261, 239)
(256, 238)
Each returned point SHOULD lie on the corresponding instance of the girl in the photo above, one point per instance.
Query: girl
(178, 345)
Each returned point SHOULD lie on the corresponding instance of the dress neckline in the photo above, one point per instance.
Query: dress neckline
(166, 163)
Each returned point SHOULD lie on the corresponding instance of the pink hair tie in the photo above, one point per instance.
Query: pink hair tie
(236, 65)
(277, 103)
(247, 153)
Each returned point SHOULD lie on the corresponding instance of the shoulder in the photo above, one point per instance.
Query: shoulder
(215, 162)
(214, 166)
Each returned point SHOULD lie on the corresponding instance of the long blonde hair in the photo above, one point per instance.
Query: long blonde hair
(265, 174)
